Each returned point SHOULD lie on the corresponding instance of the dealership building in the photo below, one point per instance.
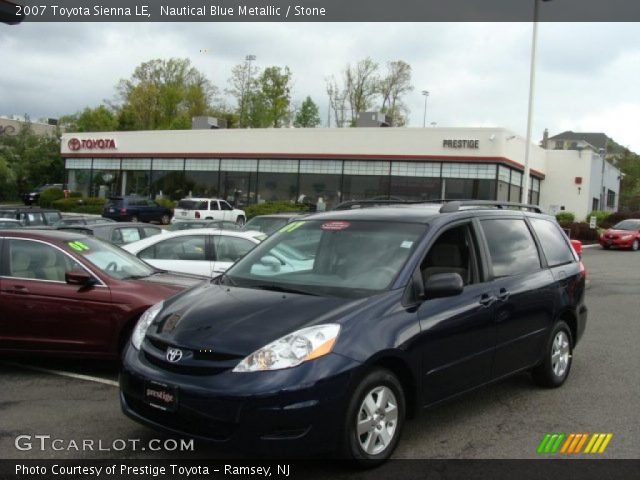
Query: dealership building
(326, 166)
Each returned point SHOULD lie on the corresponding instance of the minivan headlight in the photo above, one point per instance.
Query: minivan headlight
(293, 349)
(143, 324)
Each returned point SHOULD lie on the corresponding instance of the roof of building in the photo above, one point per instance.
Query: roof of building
(597, 139)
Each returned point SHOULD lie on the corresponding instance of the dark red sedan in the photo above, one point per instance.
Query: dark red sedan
(63, 293)
(625, 234)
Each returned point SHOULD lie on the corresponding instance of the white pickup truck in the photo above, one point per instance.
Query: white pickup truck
(207, 208)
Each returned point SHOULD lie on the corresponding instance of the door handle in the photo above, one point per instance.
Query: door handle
(19, 289)
(486, 299)
(503, 295)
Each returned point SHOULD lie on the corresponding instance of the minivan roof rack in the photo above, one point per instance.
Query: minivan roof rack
(352, 204)
(454, 206)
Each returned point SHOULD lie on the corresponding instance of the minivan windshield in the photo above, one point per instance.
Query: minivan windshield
(627, 225)
(111, 260)
(329, 258)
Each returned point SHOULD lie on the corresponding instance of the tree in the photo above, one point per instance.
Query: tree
(337, 101)
(99, 119)
(275, 90)
(242, 83)
(361, 82)
(392, 87)
(164, 94)
(308, 116)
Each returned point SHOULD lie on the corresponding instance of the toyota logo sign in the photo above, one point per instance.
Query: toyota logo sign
(173, 355)
(75, 144)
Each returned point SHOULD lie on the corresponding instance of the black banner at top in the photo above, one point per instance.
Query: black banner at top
(15, 11)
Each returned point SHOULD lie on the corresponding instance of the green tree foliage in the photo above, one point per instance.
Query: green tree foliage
(164, 94)
(629, 163)
(308, 116)
(99, 119)
(242, 85)
(269, 103)
(28, 160)
(392, 87)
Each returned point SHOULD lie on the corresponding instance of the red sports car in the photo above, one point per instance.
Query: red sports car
(64, 293)
(625, 234)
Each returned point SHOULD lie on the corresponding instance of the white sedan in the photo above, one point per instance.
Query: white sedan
(202, 251)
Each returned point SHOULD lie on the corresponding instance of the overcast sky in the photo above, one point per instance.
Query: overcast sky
(477, 74)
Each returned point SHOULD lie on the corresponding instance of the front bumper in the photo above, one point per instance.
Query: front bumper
(616, 242)
(292, 412)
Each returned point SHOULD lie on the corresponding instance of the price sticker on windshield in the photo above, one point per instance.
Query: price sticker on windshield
(291, 227)
(78, 246)
(335, 226)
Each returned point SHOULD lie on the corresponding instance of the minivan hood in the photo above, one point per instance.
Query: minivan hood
(239, 321)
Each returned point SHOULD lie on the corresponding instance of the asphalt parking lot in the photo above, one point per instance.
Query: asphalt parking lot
(78, 400)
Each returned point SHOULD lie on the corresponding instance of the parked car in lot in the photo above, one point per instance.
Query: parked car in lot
(62, 293)
(191, 224)
(134, 208)
(273, 222)
(9, 223)
(78, 220)
(118, 233)
(624, 234)
(395, 309)
(208, 209)
(32, 216)
(203, 251)
(33, 197)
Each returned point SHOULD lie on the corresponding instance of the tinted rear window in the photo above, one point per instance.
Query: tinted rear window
(554, 244)
(511, 246)
(192, 205)
(114, 202)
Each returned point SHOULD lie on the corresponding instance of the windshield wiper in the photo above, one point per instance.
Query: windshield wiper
(280, 288)
(135, 277)
(222, 276)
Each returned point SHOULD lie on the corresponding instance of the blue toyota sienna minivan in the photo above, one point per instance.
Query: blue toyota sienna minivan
(340, 326)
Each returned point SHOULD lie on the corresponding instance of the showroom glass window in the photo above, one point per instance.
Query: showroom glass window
(320, 183)
(238, 180)
(467, 180)
(167, 178)
(554, 243)
(202, 178)
(511, 247)
(364, 180)
(416, 180)
(277, 180)
(106, 178)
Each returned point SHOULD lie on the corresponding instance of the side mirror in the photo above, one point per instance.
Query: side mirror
(443, 285)
(81, 279)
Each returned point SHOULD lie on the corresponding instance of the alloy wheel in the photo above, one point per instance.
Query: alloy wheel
(560, 354)
(377, 420)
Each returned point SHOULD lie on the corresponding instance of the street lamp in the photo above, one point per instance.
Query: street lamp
(424, 119)
(524, 196)
(248, 59)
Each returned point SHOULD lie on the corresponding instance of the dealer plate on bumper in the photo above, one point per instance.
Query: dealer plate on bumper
(161, 396)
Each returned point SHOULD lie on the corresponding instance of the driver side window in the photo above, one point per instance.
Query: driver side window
(453, 252)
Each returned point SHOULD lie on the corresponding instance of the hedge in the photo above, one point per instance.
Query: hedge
(582, 231)
(601, 217)
(50, 195)
(269, 208)
(565, 217)
(81, 205)
(618, 217)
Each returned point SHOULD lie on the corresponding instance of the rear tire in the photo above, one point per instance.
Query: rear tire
(606, 247)
(240, 221)
(635, 245)
(165, 220)
(558, 356)
(374, 419)
(134, 218)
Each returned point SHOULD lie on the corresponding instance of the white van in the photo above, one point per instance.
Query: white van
(207, 209)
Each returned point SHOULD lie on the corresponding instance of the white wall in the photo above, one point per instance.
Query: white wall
(559, 188)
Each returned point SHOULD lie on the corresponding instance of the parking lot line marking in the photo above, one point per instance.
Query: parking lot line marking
(62, 373)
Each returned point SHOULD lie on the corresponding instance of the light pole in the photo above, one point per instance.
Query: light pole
(524, 196)
(248, 59)
(424, 118)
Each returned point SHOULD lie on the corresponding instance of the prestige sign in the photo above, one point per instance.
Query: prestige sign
(461, 144)
(75, 144)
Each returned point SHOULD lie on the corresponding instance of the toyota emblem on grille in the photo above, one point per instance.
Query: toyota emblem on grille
(173, 354)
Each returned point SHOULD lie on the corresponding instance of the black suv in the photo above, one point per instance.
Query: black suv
(32, 216)
(134, 208)
(384, 311)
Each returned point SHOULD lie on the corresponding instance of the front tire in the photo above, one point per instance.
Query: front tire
(635, 245)
(558, 356)
(240, 221)
(134, 218)
(165, 220)
(375, 418)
